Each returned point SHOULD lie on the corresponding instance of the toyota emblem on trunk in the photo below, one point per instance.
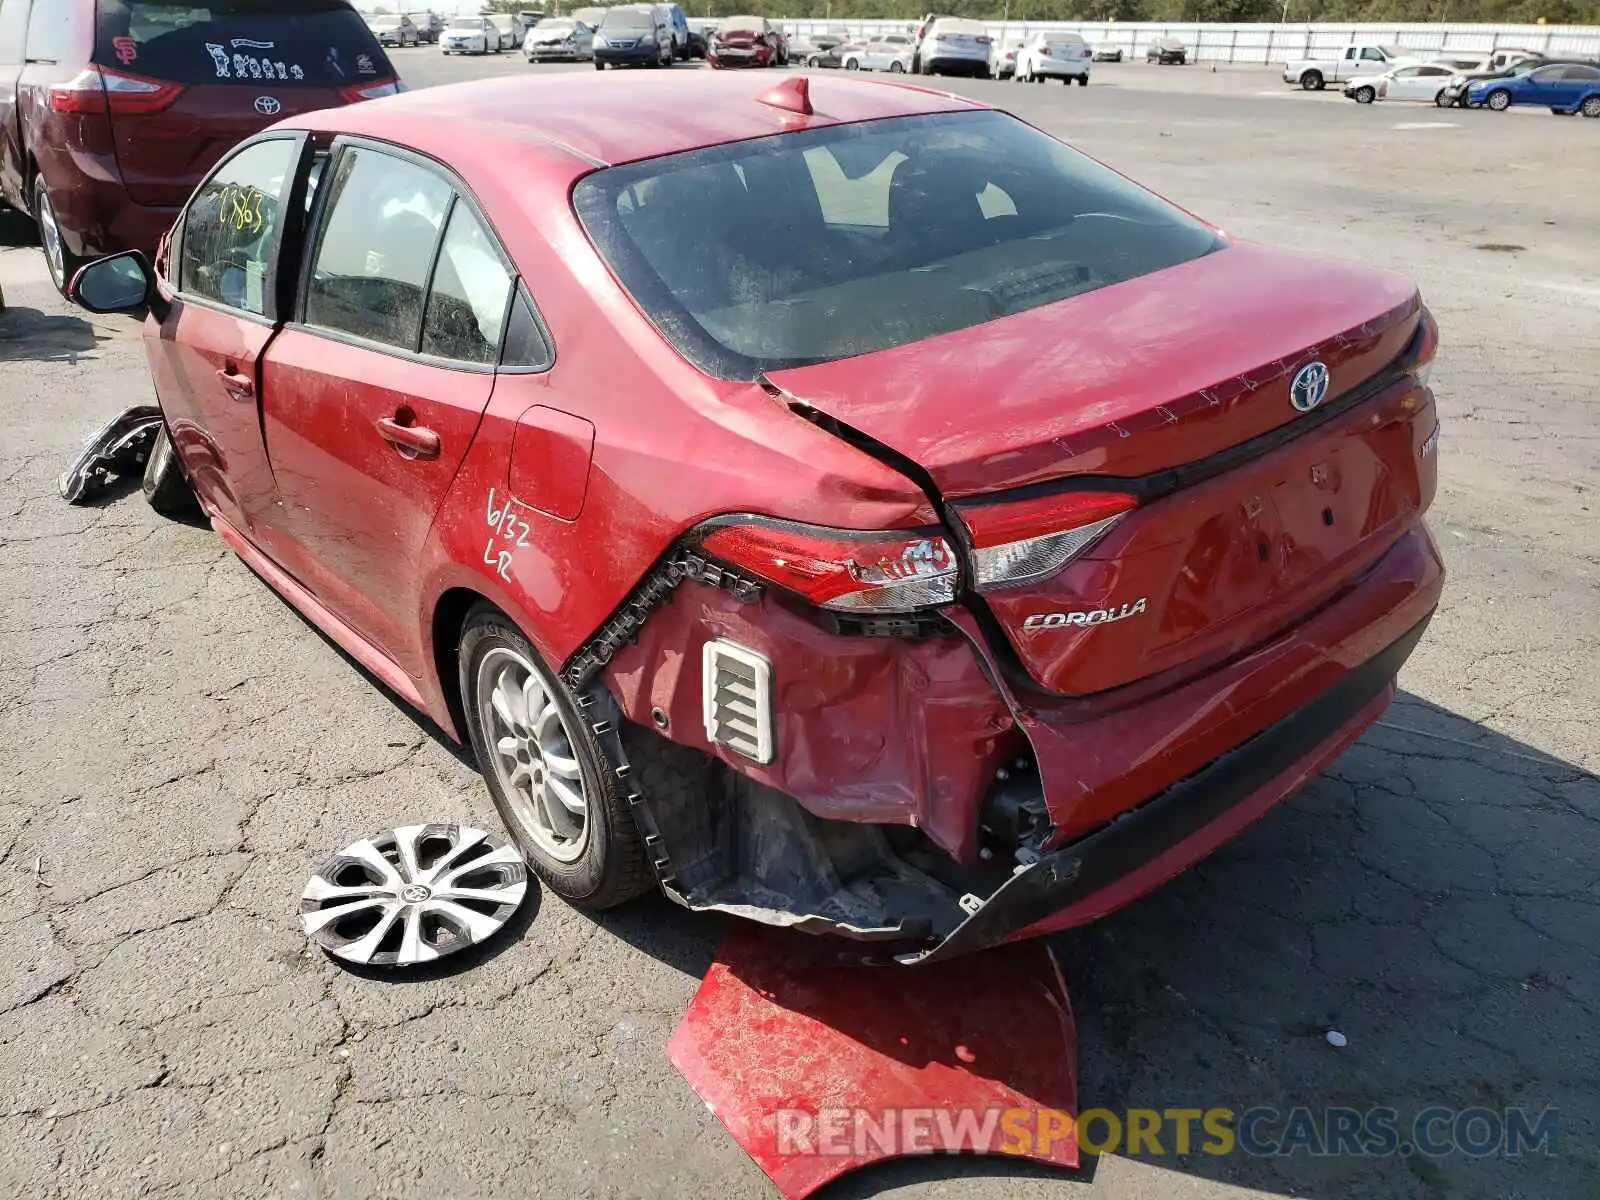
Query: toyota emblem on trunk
(268, 106)
(1310, 387)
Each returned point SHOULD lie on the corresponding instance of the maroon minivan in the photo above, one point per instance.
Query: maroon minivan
(111, 111)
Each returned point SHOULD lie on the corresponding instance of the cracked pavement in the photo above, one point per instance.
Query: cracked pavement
(179, 749)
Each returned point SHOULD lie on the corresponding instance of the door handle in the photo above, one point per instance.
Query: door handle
(240, 387)
(413, 441)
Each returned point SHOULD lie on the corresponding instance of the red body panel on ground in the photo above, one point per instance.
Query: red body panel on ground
(817, 1070)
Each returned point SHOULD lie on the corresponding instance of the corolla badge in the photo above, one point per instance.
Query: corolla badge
(1310, 387)
(268, 106)
(1093, 616)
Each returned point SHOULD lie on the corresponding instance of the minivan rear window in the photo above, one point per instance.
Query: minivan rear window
(823, 244)
(293, 43)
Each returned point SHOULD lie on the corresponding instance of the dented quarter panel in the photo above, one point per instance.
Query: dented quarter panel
(887, 730)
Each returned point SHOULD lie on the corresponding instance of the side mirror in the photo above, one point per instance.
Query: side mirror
(117, 284)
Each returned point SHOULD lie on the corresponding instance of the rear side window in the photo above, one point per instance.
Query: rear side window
(466, 316)
(377, 246)
(309, 43)
(835, 242)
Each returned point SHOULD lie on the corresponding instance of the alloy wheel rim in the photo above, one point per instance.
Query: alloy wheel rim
(533, 753)
(50, 239)
(413, 894)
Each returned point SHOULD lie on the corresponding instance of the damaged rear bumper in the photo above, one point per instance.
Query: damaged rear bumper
(1152, 843)
(1135, 793)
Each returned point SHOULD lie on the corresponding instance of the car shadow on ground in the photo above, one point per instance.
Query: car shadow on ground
(1430, 898)
(29, 335)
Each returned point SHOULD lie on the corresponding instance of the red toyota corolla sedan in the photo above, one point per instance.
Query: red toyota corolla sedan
(846, 507)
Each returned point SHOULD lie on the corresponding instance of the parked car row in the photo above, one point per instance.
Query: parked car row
(1497, 81)
(111, 112)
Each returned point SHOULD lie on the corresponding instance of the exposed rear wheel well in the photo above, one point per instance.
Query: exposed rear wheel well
(449, 616)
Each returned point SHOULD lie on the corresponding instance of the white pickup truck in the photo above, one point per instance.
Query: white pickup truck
(1314, 74)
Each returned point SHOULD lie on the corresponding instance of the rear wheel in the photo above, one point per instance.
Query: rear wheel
(1499, 100)
(851, 64)
(1083, 81)
(63, 263)
(1440, 102)
(896, 68)
(1365, 95)
(545, 770)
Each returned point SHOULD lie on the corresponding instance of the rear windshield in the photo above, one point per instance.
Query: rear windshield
(309, 43)
(828, 243)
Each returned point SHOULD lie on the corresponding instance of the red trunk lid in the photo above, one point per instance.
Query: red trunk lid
(1129, 385)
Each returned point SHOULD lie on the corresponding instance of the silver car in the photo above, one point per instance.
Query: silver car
(559, 39)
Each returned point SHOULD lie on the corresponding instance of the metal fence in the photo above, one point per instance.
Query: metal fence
(1268, 43)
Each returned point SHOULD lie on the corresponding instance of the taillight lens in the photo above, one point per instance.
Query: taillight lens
(841, 569)
(1019, 542)
(1045, 51)
(1420, 361)
(371, 91)
(102, 90)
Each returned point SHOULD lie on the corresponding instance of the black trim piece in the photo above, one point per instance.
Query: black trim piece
(1089, 865)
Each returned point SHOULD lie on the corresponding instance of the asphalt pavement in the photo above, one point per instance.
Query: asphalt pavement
(178, 749)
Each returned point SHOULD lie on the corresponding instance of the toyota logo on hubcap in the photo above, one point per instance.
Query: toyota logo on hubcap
(1310, 387)
(267, 106)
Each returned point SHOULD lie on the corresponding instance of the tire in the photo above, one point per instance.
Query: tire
(851, 64)
(1365, 95)
(603, 866)
(1591, 107)
(165, 487)
(814, 63)
(1312, 81)
(1440, 102)
(1499, 100)
(62, 263)
(1083, 81)
(896, 68)
(599, 66)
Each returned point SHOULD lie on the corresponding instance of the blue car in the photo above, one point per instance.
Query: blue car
(1561, 87)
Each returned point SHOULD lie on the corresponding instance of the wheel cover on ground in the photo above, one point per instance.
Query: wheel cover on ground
(413, 894)
(531, 751)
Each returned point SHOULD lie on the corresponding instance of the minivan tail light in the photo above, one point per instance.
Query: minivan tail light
(102, 90)
(356, 93)
(1019, 542)
(841, 569)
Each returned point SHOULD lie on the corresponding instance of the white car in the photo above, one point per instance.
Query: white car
(1063, 56)
(559, 39)
(1003, 57)
(892, 53)
(953, 46)
(470, 35)
(1421, 82)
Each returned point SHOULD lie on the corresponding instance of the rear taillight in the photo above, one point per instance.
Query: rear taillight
(1045, 50)
(983, 41)
(841, 569)
(1086, 53)
(371, 91)
(1425, 344)
(941, 37)
(102, 90)
(1018, 542)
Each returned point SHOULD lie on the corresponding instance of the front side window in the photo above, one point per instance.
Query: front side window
(828, 243)
(1371, 55)
(232, 225)
(466, 314)
(377, 246)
